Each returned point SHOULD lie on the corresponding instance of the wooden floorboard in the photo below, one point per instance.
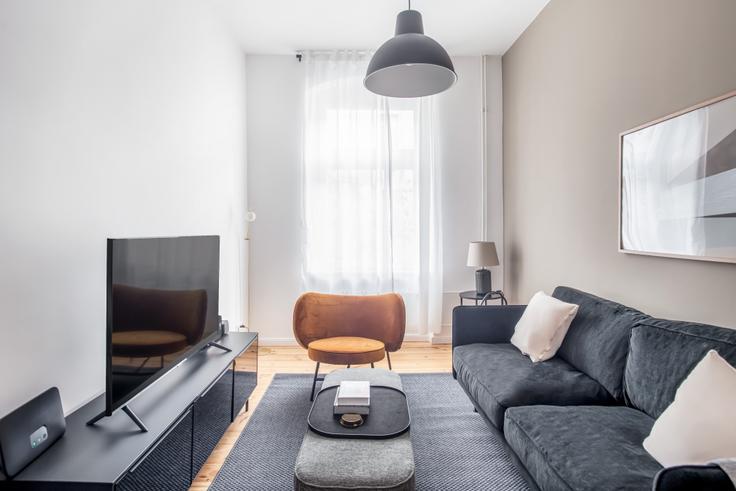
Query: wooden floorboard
(414, 357)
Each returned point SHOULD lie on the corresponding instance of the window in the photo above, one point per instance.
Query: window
(370, 220)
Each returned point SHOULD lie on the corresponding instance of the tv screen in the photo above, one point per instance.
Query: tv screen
(162, 305)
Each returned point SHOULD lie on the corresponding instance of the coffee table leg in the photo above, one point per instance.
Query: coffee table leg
(314, 382)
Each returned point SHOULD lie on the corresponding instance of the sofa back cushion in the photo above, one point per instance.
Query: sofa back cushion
(661, 355)
(598, 339)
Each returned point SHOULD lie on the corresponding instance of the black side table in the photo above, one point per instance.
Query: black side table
(483, 298)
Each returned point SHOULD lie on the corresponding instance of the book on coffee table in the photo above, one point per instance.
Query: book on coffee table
(353, 396)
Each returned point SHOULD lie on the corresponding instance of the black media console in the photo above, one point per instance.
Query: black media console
(186, 413)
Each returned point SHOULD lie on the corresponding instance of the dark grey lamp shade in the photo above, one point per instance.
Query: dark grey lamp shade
(410, 64)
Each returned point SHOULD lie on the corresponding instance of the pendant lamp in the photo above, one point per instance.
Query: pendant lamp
(410, 64)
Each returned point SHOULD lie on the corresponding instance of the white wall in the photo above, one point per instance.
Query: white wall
(275, 102)
(275, 112)
(116, 119)
(471, 187)
(493, 192)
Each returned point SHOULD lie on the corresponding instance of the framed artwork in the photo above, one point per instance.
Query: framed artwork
(677, 193)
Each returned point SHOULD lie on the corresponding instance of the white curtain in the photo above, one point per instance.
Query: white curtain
(371, 210)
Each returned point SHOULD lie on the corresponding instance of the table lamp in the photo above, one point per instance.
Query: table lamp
(480, 255)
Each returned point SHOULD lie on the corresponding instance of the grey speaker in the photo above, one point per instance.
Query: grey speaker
(29, 430)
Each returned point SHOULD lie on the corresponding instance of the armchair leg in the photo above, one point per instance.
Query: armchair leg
(314, 382)
(388, 357)
(372, 365)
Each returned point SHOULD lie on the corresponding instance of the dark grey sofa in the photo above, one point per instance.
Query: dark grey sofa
(577, 421)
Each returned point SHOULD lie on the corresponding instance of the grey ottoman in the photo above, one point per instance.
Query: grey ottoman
(356, 465)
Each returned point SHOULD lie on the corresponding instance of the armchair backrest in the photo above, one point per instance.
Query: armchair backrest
(321, 315)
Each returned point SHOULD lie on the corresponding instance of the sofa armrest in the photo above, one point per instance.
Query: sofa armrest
(484, 324)
(490, 324)
(688, 477)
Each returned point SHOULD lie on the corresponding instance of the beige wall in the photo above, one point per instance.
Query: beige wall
(584, 71)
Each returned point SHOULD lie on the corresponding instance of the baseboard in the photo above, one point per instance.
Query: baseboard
(425, 338)
(416, 337)
(446, 339)
(429, 338)
(269, 341)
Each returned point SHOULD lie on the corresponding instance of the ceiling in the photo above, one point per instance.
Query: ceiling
(463, 27)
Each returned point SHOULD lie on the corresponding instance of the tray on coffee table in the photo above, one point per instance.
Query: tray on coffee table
(389, 415)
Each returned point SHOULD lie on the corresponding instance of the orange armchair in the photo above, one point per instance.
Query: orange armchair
(349, 329)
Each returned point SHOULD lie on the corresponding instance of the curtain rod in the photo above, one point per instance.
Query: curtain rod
(300, 54)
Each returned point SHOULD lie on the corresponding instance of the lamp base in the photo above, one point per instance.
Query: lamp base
(483, 281)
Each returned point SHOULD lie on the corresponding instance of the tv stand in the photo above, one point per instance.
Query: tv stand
(186, 413)
(127, 411)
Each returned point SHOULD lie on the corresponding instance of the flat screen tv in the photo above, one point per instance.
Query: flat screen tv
(162, 305)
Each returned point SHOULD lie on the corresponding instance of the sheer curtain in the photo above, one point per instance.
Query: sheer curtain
(371, 208)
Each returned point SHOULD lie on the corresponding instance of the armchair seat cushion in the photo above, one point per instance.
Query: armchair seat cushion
(582, 447)
(346, 350)
(498, 376)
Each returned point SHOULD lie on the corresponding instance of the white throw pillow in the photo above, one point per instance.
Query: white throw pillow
(542, 327)
(699, 426)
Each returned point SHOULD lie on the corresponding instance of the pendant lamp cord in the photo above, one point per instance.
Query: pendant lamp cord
(409, 4)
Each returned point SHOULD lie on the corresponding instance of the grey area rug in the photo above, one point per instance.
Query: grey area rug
(453, 447)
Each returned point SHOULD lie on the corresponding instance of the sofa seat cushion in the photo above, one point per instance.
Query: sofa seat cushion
(582, 447)
(498, 376)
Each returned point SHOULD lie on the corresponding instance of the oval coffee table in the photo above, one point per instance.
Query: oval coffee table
(353, 463)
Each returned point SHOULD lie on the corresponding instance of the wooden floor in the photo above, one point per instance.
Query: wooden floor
(413, 357)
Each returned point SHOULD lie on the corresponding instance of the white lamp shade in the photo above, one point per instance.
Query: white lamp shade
(481, 254)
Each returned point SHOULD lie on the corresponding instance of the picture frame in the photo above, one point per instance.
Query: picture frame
(677, 184)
